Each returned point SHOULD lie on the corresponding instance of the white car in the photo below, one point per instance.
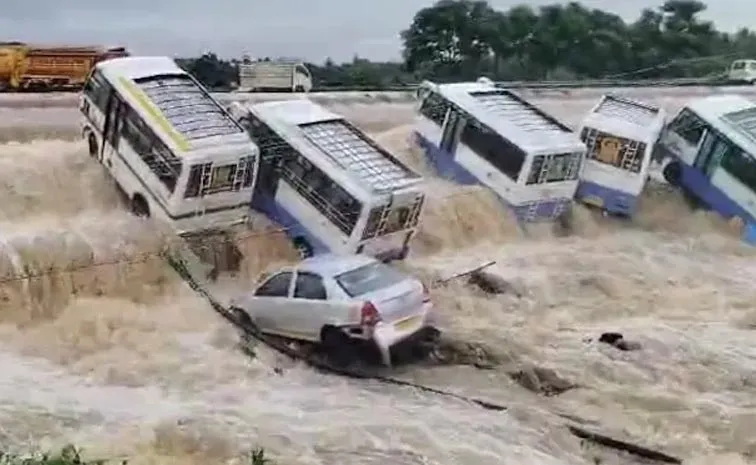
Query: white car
(335, 300)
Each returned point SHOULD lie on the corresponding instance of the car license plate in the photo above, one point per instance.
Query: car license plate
(407, 323)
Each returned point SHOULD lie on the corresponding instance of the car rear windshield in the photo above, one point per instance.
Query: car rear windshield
(368, 278)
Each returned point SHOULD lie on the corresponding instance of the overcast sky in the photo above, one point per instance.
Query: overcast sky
(313, 29)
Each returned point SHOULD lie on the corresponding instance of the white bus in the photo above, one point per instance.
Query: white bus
(712, 145)
(477, 133)
(173, 150)
(333, 188)
(620, 135)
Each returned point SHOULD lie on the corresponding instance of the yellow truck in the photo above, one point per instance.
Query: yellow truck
(30, 68)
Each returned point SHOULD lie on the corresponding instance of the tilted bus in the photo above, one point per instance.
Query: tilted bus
(330, 185)
(711, 143)
(477, 133)
(619, 134)
(173, 150)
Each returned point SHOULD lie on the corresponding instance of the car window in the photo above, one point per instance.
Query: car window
(276, 286)
(368, 278)
(310, 286)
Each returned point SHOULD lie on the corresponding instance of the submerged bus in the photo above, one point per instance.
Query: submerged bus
(332, 187)
(620, 134)
(712, 146)
(173, 150)
(477, 133)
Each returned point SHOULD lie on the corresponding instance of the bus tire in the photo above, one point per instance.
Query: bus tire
(304, 249)
(139, 206)
(92, 143)
(673, 173)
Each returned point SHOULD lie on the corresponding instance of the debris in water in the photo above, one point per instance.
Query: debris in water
(492, 284)
(618, 341)
(541, 380)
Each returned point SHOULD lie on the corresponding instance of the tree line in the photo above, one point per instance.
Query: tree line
(466, 39)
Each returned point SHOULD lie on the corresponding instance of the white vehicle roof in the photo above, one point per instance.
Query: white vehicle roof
(508, 114)
(629, 110)
(190, 121)
(734, 115)
(326, 138)
(335, 264)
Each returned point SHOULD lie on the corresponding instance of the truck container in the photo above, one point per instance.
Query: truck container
(26, 67)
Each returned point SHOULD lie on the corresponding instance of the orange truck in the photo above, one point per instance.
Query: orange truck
(32, 68)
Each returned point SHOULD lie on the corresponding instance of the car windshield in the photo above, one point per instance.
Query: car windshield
(368, 278)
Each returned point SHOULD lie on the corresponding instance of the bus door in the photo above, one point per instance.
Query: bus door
(112, 130)
(452, 129)
(710, 153)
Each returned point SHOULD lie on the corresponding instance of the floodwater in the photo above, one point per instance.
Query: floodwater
(104, 347)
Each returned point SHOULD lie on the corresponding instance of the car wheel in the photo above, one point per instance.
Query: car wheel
(336, 345)
(304, 249)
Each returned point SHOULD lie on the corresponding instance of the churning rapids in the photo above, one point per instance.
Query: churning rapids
(123, 359)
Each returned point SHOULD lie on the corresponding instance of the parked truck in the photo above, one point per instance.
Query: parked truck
(30, 68)
(274, 76)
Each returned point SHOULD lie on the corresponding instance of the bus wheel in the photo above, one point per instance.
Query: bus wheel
(304, 249)
(139, 206)
(92, 142)
(673, 173)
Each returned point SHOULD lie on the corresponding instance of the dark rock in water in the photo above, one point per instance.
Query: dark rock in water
(491, 283)
(610, 338)
(541, 380)
(618, 341)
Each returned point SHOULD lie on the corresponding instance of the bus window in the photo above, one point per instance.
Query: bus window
(97, 89)
(150, 149)
(317, 188)
(613, 150)
(504, 156)
(741, 166)
(561, 167)
(221, 180)
(434, 108)
(688, 126)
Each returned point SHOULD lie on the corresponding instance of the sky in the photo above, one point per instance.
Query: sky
(311, 30)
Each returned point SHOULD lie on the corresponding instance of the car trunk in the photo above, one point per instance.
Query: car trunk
(397, 302)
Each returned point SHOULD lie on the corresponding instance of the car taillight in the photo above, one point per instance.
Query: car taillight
(426, 294)
(369, 315)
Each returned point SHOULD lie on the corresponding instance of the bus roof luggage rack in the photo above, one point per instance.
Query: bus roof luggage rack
(519, 112)
(351, 150)
(189, 109)
(744, 121)
(627, 109)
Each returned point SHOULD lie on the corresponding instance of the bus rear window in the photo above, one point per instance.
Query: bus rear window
(206, 179)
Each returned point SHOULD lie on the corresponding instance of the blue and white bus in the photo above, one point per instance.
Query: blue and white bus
(620, 134)
(477, 133)
(712, 145)
(333, 188)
